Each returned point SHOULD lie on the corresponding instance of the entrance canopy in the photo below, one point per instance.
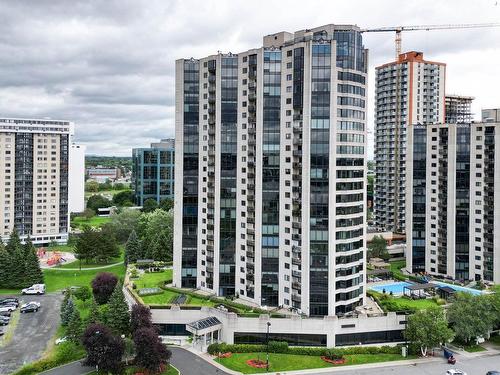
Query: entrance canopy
(204, 326)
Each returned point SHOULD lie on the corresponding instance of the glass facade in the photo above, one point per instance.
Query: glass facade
(153, 174)
(462, 204)
(489, 202)
(271, 177)
(319, 184)
(229, 119)
(293, 339)
(190, 174)
(419, 184)
(377, 337)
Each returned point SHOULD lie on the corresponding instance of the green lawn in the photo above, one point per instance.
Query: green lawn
(88, 194)
(390, 303)
(474, 348)
(76, 263)
(96, 221)
(291, 362)
(396, 269)
(57, 279)
(152, 279)
(61, 248)
(495, 340)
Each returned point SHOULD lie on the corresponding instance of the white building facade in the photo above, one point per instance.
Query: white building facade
(410, 90)
(271, 170)
(76, 179)
(34, 173)
(453, 208)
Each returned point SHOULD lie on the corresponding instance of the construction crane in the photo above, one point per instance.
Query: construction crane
(399, 29)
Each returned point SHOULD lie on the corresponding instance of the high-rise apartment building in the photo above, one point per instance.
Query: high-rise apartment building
(458, 109)
(153, 171)
(270, 172)
(408, 91)
(453, 205)
(76, 179)
(34, 167)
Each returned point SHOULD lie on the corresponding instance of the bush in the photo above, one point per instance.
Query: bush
(278, 346)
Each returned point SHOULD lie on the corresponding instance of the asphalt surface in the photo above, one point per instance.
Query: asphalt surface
(472, 366)
(32, 333)
(190, 364)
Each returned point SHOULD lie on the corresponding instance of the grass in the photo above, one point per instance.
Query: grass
(76, 263)
(495, 340)
(396, 269)
(291, 362)
(474, 348)
(95, 221)
(112, 193)
(61, 248)
(57, 279)
(9, 333)
(390, 303)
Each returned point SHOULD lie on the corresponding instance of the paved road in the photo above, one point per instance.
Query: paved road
(83, 268)
(190, 364)
(472, 366)
(73, 368)
(32, 333)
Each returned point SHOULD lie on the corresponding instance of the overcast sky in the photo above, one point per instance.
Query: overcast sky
(109, 65)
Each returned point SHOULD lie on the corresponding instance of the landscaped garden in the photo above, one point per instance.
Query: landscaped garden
(250, 359)
(392, 303)
(95, 221)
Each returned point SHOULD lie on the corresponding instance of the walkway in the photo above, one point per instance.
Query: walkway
(86, 269)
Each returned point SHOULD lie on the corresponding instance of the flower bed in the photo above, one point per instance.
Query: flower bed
(337, 361)
(256, 363)
(224, 355)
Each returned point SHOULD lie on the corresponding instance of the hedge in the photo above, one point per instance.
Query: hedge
(282, 347)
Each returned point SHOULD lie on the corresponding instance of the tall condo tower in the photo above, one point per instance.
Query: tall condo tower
(408, 91)
(271, 170)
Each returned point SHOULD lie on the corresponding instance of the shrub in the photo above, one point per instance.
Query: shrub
(278, 346)
(103, 286)
(334, 354)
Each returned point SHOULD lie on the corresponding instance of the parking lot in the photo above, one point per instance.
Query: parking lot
(32, 333)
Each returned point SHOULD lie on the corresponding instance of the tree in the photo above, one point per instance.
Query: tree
(32, 272)
(86, 244)
(102, 287)
(98, 245)
(67, 311)
(83, 293)
(471, 316)
(140, 317)
(155, 229)
(92, 186)
(123, 223)
(132, 248)
(97, 201)
(151, 353)
(104, 350)
(16, 261)
(88, 213)
(94, 313)
(166, 204)
(4, 267)
(149, 205)
(428, 328)
(124, 198)
(107, 245)
(75, 329)
(378, 248)
(118, 315)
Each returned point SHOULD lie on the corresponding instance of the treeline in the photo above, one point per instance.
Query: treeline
(94, 245)
(19, 265)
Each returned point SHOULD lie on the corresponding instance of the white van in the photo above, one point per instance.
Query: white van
(34, 289)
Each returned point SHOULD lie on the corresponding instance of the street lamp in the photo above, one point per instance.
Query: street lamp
(267, 346)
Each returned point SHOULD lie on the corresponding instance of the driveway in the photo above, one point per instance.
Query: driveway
(32, 333)
(190, 364)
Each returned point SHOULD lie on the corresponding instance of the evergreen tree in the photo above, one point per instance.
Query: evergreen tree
(4, 266)
(75, 328)
(132, 248)
(94, 313)
(16, 261)
(118, 315)
(67, 312)
(33, 273)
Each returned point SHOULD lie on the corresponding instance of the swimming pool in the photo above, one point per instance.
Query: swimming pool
(397, 287)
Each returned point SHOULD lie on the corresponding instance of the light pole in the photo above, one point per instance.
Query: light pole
(267, 346)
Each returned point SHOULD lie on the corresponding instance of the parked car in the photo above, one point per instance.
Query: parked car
(34, 289)
(7, 308)
(4, 320)
(30, 307)
(455, 372)
(5, 313)
(9, 301)
(493, 372)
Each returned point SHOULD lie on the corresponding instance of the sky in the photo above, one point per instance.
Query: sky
(109, 66)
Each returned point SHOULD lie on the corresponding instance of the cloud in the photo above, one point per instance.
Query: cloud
(109, 66)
